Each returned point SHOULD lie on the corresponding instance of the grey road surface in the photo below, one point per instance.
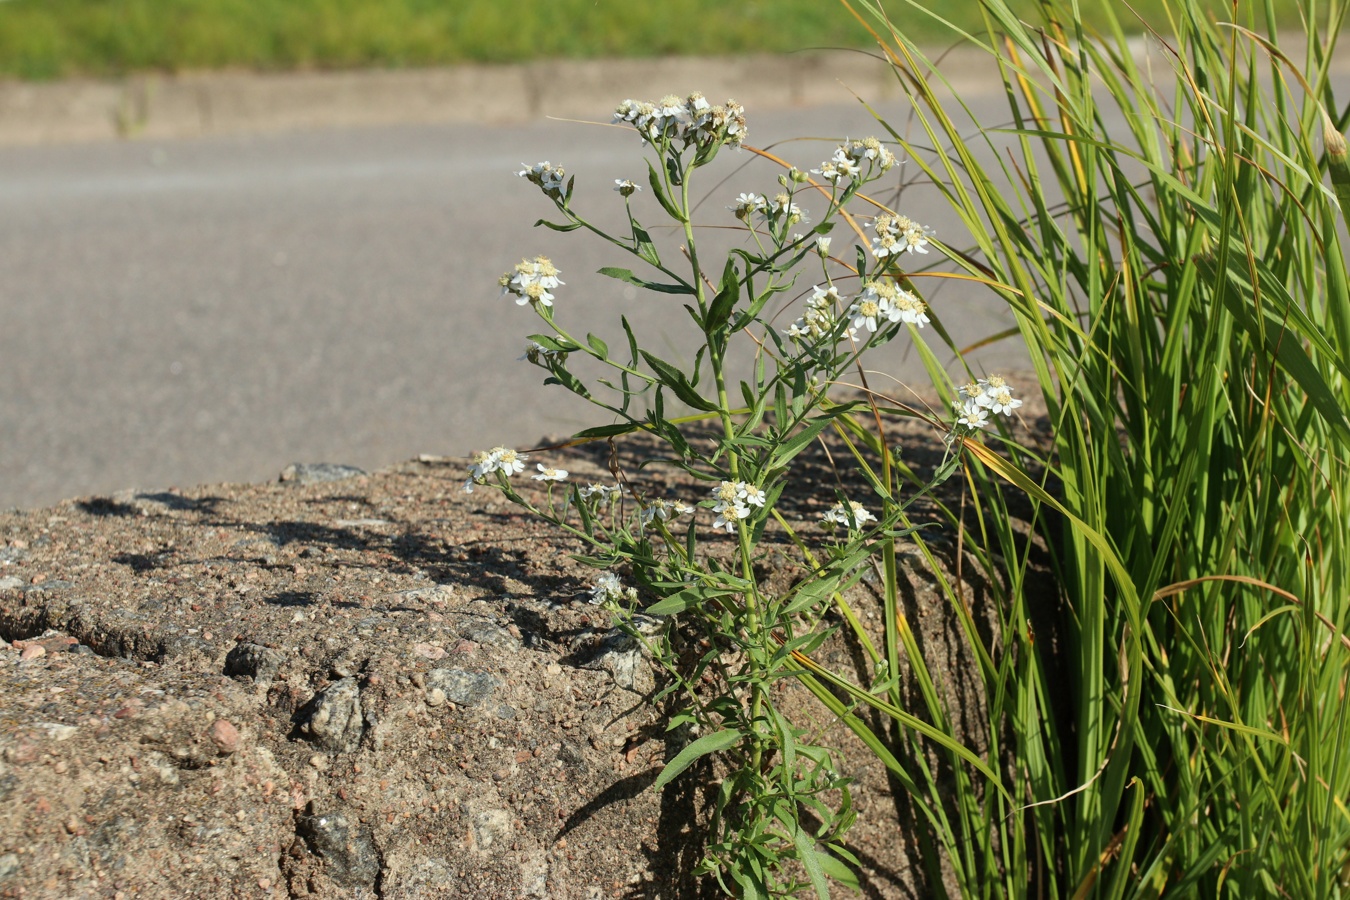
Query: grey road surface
(178, 312)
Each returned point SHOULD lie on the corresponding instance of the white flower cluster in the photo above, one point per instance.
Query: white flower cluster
(982, 398)
(896, 234)
(608, 589)
(819, 318)
(664, 511)
(769, 212)
(885, 300)
(733, 502)
(531, 281)
(692, 121)
(549, 178)
(498, 459)
(851, 516)
(603, 494)
(852, 156)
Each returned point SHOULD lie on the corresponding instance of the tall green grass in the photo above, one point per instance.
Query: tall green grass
(1180, 280)
(60, 38)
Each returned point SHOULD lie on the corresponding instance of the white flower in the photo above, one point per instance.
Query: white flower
(498, 459)
(747, 204)
(729, 506)
(605, 492)
(852, 516)
(896, 234)
(1004, 402)
(547, 474)
(829, 170)
(664, 510)
(865, 311)
(992, 394)
(546, 175)
(531, 281)
(871, 150)
(974, 391)
(908, 308)
(728, 518)
(509, 461)
(823, 247)
(608, 589)
(971, 414)
(913, 236)
(819, 318)
(752, 495)
(535, 293)
(782, 206)
(625, 187)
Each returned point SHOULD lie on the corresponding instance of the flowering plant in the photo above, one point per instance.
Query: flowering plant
(690, 562)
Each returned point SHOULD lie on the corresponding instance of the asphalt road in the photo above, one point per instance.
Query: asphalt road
(179, 312)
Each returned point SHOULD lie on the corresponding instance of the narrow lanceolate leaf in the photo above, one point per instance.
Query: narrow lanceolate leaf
(645, 248)
(599, 346)
(709, 743)
(628, 276)
(674, 379)
(694, 595)
(573, 226)
(726, 298)
(659, 192)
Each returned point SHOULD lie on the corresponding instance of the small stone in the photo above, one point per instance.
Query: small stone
(464, 688)
(319, 761)
(316, 473)
(435, 697)
(348, 850)
(554, 669)
(254, 661)
(224, 735)
(429, 651)
(33, 651)
(265, 883)
(333, 718)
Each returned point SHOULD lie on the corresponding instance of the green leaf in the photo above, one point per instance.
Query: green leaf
(839, 871)
(709, 743)
(686, 599)
(569, 381)
(550, 343)
(645, 248)
(600, 347)
(799, 441)
(628, 276)
(659, 192)
(605, 431)
(674, 379)
(726, 298)
(556, 227)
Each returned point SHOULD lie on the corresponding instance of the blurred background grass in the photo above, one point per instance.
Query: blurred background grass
(46, 39)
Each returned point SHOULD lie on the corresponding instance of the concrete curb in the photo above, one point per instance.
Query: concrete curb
(199, 104)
